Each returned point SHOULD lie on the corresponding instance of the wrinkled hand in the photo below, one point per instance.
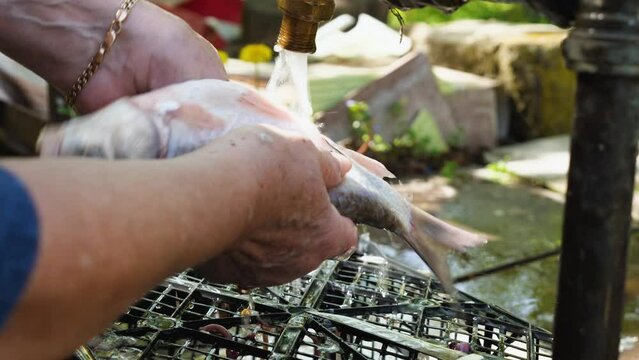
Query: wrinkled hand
(293, 226)
(155, 49)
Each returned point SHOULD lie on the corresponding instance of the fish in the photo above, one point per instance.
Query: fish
(181, 118)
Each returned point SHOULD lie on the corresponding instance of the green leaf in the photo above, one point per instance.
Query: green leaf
(427, 139)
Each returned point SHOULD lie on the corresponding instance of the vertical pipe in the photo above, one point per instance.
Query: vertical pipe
(604, 50)
(597, 218)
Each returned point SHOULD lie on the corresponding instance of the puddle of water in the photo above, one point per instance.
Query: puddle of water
(524, 223)
(528, 291)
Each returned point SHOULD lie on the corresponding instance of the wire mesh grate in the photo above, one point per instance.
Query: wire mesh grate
(362, 308)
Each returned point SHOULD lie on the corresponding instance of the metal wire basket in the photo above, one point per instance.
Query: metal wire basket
(363, 308)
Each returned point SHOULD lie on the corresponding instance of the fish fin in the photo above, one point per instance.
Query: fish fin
(443, 233)
(375, 167)
(431, 237)
(372, 165)
(434, 254)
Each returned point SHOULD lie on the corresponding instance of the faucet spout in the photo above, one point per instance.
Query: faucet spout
(301, 21)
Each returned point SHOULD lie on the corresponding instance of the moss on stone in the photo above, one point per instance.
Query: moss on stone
(528, 62)
(534, 74)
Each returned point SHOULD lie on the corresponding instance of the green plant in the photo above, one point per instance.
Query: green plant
(420, 149)
(449, 169)
(426, 137)
(481, 10)
(501, 173)
(456, 139)
(362, 128)
(421, 140)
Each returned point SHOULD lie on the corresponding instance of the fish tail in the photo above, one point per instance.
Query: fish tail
(434, 255)
(443, 233)
(431, 238)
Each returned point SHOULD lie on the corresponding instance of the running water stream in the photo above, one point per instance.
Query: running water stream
(289, 84)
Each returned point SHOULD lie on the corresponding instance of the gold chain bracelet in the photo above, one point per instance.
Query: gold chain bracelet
(109, 39)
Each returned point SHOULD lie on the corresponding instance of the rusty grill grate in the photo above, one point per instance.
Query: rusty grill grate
(362, 308)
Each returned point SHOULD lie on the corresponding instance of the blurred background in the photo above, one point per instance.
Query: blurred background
(472, 109)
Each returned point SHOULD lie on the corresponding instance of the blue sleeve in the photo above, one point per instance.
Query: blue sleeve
(18, 241)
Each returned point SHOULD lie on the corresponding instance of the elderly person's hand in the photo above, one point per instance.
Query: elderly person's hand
(291, 226)
(250, 208)
(58, 39)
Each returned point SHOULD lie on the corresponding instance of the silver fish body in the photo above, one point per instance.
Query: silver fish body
(367, 199)
(184, 117)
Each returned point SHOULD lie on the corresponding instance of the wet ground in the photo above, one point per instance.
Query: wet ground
(522, 221)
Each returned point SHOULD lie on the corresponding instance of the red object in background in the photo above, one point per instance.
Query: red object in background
(195, 11)
(227, 10)
(196, 21)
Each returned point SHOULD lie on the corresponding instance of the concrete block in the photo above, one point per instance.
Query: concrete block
(406, 88)
(526, 59)
(476, 104)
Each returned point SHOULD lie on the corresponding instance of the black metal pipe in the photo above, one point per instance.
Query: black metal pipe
(597, 219)
(604, 49)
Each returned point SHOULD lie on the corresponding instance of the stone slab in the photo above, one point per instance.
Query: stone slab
(526, 59)
(543, 162)
(475, 103)
(409, 83)
(542, 159)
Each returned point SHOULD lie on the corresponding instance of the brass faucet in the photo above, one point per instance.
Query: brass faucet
(301, 21)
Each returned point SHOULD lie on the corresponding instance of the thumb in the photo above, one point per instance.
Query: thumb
(334, 167)
(343, 234)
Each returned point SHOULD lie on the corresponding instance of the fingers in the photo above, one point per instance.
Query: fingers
(334, 167)
(342, 234)
(345, 163)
